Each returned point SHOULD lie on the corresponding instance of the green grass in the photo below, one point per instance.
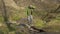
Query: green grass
(16, 17)
(53, 26)
(39, 23)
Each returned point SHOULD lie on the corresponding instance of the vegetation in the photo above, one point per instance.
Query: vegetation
(46, 16)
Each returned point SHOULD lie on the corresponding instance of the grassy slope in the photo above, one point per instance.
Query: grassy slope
(14, 15)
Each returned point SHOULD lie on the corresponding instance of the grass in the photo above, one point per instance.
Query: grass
(53, 26)
(38, 23)
(4, 29)
(1, 19)
(16, 17)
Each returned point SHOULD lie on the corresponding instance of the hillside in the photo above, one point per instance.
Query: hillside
(46, 14)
